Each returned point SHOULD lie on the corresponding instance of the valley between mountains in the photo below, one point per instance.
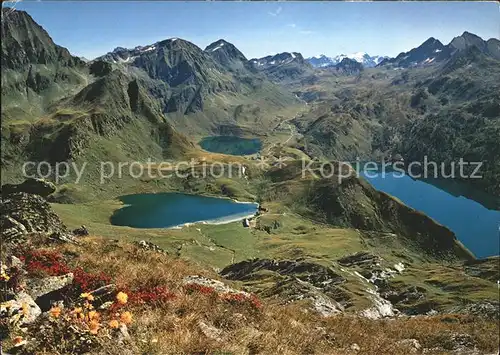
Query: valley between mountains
(323, 263)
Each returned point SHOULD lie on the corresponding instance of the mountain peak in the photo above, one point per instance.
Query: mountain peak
(227, 55)
(433, 51)
(176, 41)
(215, 46)
(469, 34)
(25, 42)
(432, 42)
(349, 66)
(119, 49)
(466, 40)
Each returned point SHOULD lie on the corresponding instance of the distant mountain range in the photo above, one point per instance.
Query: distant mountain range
(433, 51)
(430, 52)
(282, 66)
(364, 58)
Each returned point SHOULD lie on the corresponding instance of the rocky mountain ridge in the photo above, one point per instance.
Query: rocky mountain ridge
(433, 51)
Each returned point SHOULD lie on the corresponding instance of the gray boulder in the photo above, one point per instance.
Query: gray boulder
(47, 291)
(20, 310)
(40, 287)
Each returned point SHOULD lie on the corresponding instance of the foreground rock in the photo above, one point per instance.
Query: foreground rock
(20, 310)
(46, 291)
(81, 232)
(22, 214)
(39, 287)
(38, 295)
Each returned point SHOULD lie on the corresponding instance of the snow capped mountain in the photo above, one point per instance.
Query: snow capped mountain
(282, 66)
(228, 55)
(128, 55)
(429, 52)
(361, 57)
(322, 61)
(278, 59)
(432, 51)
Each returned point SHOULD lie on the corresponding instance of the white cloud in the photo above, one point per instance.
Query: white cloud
(306, 32)
(277, 12)
(292, 25)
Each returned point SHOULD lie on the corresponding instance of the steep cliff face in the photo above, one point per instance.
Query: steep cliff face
(24, 42)
(35, 71)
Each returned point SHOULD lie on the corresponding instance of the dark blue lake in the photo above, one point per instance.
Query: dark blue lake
(165, 210)
(474, 219)
(231, 145)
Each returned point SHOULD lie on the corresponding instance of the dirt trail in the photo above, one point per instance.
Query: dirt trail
(292, 128)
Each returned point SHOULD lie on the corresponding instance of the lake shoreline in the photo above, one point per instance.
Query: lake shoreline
(465, 217)
(213, 222)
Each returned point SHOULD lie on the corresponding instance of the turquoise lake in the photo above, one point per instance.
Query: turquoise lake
(231, 145)
(474, 219)
(166, 210)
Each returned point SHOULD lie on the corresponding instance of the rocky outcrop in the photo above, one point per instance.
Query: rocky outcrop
(25, 211)
(294, 280)
(360, 259)
(488, 269)
(39, 287)
(377, 274)
(30, 186)
(21, 309)
(22, 214)
(408, 295)
(326, 301)
(381, 308)
(306, 271)
(145, 245)
(216, 285)
(81, 231)
(485, 309)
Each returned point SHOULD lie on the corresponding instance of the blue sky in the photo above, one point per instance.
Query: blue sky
(93, 28)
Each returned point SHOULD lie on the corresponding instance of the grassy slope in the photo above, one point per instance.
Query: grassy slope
(173, 327)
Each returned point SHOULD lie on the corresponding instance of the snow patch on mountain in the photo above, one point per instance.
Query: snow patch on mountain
(278, 59)
(364, 58)
(218, 47)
